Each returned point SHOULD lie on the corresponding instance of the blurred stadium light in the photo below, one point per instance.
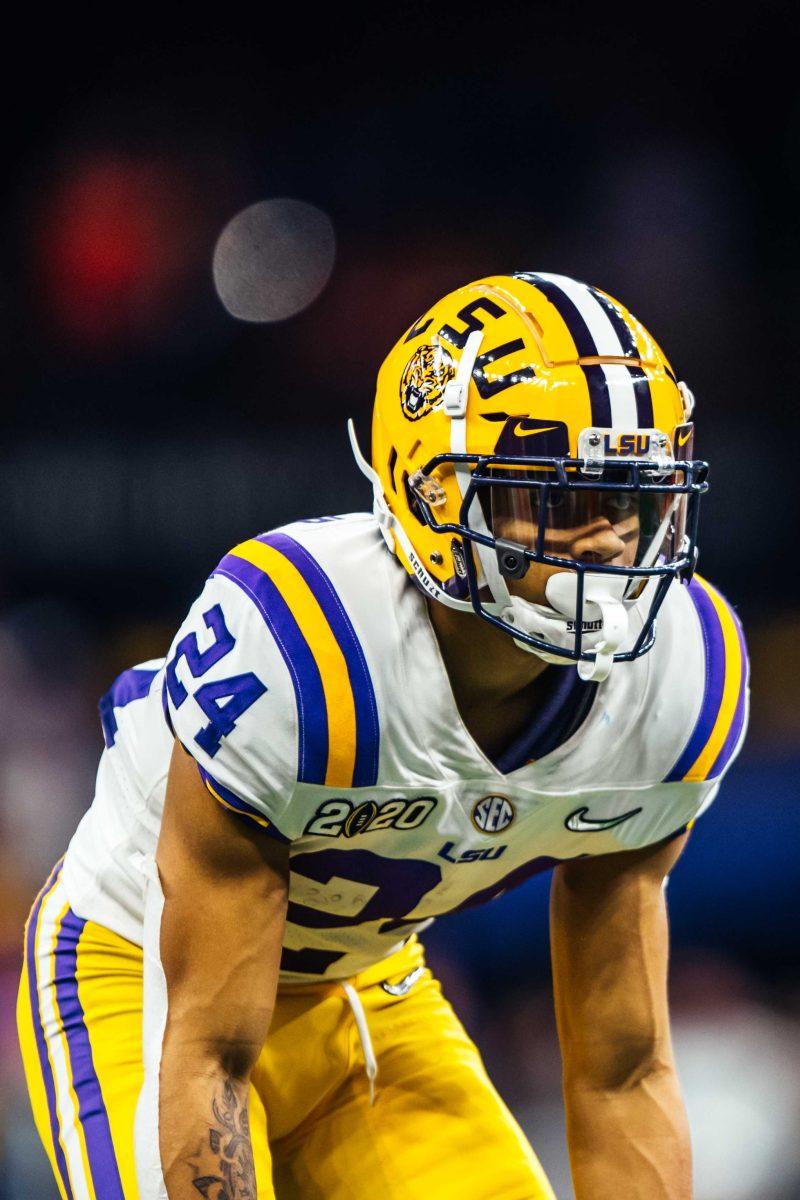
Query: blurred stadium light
(273, 259)
(114, 245)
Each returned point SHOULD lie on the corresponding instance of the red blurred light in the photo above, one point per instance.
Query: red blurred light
(113, 247)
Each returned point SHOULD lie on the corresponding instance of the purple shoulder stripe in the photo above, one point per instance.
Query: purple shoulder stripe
(365, 771)
(720, 674)
(241, 807)
(131, 685)
(714, 650)
(732, 741)
(312, 714)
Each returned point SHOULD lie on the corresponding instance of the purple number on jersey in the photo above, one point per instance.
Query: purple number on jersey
(238, 692)
(199, 661)
(222, 701)
(401, 884)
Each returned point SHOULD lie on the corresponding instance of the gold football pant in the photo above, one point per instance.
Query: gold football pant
(437, 1128)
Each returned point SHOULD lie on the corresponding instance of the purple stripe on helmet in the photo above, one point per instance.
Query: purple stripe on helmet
(731, 742)
(644, 397)
(584, 344)
(41, 1044)
(599, 397)
(365, 770)
(641, 385)
(312, 713)
(133, 684)
(241, 806)
(714, 647)
(567, 310)
(91, 1106)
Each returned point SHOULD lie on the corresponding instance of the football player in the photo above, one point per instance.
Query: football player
(367, 722)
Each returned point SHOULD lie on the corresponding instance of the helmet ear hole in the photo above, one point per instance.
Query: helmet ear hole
(392, 463)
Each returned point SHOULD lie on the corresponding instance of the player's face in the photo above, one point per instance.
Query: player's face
(602, 527)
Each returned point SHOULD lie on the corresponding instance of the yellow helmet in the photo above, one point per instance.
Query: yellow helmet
(536, 390)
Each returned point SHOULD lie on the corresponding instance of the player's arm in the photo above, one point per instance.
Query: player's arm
(626, 1123)
(225, 889)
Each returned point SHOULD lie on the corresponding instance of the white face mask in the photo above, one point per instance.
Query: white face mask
(605, 619)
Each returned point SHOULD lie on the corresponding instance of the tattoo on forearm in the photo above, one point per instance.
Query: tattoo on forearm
(232, 1175)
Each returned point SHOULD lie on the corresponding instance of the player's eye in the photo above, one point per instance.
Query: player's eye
(621, 503)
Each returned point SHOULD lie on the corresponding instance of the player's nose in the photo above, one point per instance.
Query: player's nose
(598, 543)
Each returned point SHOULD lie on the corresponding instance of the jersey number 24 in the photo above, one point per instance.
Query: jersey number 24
(224, 700)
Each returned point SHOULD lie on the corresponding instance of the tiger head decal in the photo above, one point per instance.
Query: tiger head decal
(426, 375)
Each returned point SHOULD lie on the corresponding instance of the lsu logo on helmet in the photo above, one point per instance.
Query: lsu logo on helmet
(426, 375)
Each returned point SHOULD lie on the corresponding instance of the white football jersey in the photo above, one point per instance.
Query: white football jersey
(307, 683)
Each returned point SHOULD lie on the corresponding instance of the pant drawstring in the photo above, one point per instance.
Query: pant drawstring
(360, 1017)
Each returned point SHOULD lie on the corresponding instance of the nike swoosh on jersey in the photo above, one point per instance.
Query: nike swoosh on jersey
(683, 438)
(578, 822)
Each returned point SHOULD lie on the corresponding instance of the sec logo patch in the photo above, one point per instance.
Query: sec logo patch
(493, 814)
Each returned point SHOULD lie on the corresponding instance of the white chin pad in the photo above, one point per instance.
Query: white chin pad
(602, 601)
(605, 612)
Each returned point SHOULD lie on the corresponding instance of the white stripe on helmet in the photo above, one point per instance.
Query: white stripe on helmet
(624, 414)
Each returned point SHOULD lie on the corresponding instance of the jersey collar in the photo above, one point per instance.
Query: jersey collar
(564, 705)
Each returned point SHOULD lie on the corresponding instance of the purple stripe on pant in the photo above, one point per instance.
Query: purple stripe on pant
(41, 1045)
(91, 1108)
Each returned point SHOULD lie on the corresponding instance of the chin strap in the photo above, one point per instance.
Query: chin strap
(386, 519)
(603, 603)
(393, 532)
(601, 594)
(599, 668)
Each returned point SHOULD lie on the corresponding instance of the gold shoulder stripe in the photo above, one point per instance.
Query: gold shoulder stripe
(733, 682)
(327, 654)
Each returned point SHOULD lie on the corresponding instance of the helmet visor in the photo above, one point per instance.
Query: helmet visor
(615, 523)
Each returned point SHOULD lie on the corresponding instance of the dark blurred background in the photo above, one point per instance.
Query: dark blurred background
(145, 430)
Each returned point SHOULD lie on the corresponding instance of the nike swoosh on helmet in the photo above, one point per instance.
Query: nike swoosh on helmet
(520, 432)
